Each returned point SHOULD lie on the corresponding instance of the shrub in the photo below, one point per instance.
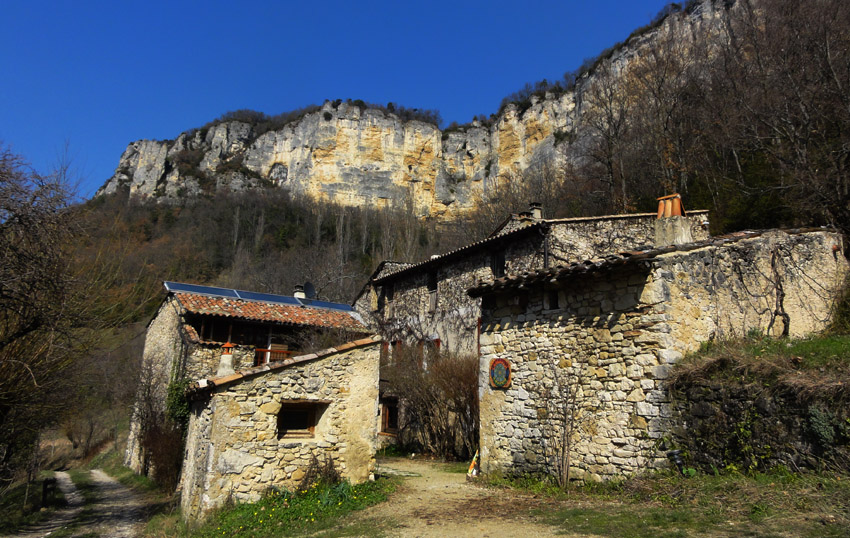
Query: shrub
(162, 444)
(438, 399)
(322, 473)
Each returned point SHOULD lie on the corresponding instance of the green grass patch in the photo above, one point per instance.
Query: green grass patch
(809, 353)
(82, 479)
(19, 507)
(284, 513)
(112, 463)
(667, 504)
(459, 467)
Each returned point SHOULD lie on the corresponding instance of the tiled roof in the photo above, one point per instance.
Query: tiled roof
(202, 386)
(269, 312)
(633, 258)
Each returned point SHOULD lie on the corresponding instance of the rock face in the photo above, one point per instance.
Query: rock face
(359, 156)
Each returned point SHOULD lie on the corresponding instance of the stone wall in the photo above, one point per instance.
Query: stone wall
(748, 424)
(725, 290)
(161, 360)
(233, 449)
(599, 348)
(605, 351)
(455, 319)
(578, 239)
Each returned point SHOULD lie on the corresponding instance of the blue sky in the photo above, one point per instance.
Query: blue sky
(94, 76)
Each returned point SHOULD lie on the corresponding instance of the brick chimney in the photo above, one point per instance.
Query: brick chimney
(299, 292)
(536, 210)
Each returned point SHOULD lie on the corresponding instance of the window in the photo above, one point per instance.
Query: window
(553, 300)
(432, 292)
(389, 415)
(211, 329)
(497, 264)
(385, 300)
(299, 420)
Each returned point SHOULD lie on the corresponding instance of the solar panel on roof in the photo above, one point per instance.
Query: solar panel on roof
(267, 298)
(204, 290)
(254, 296)
(327, 304)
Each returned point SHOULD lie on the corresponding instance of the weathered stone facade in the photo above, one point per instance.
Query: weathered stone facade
(236, 449)
(184, 341)
(594, 342)
(428, 301)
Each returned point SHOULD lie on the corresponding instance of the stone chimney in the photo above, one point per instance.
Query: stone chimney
(672, 227)
(299, 292)
(536, 210)
(225, 365)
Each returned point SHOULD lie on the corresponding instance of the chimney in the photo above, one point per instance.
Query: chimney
(671, 225)
(536, 210)
(225, 366)
(299, 292)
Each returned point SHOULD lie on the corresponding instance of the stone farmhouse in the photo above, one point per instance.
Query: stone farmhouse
(581, 351)
(427, 304)
(576, 323)
(262, 404)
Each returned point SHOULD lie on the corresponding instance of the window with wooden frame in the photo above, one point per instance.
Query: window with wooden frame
(389, 415)
(299, 419)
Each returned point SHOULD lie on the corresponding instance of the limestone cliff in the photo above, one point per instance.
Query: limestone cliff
(354, 155)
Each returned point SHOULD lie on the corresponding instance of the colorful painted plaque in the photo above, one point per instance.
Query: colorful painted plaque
(500, 374)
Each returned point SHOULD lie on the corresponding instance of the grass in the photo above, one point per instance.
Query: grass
(15, 513)
(669, 505)
(459, 467)
(813, 369)
(320, 508)
(111, 462)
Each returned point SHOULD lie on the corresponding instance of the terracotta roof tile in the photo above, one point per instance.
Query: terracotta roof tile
(271, 312)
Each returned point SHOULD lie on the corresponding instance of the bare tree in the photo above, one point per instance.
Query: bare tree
(563, 417)
(39, 308)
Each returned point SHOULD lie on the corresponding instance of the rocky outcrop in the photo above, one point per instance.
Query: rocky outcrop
(355, 156)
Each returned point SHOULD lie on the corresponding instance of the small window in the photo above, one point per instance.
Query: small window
(299, 420)
(390, 293)
(553, 300)
(497, 264)
(389, 415)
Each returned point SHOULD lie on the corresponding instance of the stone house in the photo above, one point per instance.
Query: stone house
(426, 303)
(574, 357)
(202, 332)
(262, 427)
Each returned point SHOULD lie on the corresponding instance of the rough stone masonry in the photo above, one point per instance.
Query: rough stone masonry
(590, 346)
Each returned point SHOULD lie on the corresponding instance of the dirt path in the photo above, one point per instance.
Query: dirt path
(61, 517)
(119, 512)
(440, 503)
